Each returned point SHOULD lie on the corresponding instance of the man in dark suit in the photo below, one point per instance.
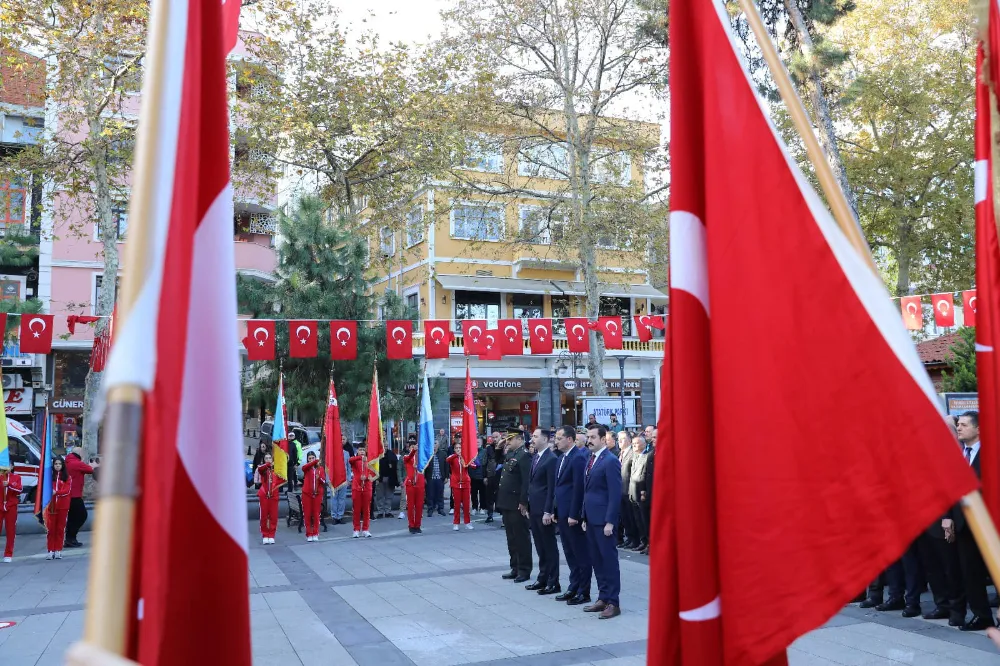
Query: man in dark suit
(541, 495)
(512, 501)
(436, 473)
(569, 514)
(956, 529)
(601, 504)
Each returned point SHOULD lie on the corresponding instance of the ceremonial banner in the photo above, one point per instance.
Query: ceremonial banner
(734, 234)
(279, 432)
(43, 492)
(36, 334)
(376, 446)
(260, 341)
(4, 450)
(470, 430)
(343, 340)
(540, 336)
(425, 429)
(336, 470)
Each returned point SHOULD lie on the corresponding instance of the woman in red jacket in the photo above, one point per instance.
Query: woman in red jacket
(414, 484)
(361, 493)
(270, 483)
(57, 509)
(313, 481)
(461, 485)
(10, 492)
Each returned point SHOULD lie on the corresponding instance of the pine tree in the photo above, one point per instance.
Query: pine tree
(321, 275)
(962, 362)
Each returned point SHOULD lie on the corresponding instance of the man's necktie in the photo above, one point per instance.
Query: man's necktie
(590, 465)
(561, 461)
(968, 454)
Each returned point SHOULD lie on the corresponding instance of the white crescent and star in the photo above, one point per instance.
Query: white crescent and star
(343, 341)
(644, 321)
(943, 306)
(578, 326)
(610, 324)
(333, 402)
(912, 308)
(475, 338)
(308, 331)
(257, 330)
(31, 326)
(972, 303)
(489, 345)
(541, 336)
(437, 339)
(399, 341)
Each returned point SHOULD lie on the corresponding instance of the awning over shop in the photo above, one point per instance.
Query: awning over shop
(557, 287)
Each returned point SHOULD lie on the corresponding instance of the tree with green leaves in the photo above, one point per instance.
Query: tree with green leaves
(321, 275)
(961, 377)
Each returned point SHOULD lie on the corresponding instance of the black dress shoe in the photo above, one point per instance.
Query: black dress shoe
(510, 575)
(537, 585)
(977, 623)
(579, 600)
(956, 620)
(911, 611)
(566, 596)
(489, 519)
(936, 614)
(521, 579)
(869, 603)
(891, 605)
(551, 589)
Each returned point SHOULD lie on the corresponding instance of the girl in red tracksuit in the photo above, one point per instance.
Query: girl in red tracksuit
(313, 481)
(10, 491)
(361, 492)
(414, 484)
(270, 483)
(461, 485)
(57, 510)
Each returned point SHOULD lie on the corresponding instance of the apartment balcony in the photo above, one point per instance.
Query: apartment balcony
(254, 237)
(631, 346)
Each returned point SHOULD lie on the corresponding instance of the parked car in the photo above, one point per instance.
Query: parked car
(25, 455)
(309, 438)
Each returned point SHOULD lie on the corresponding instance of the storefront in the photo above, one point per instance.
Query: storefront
(574, 392)
(500, 403)
(70, 370)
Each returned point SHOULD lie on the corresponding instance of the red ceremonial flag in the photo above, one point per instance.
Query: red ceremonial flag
(944, 309)
(659, 322)
(643, 327)
(334, 454)
(511, 337)
(734, 234)
(102, 344)
(260, 340)
(437, 338)
(474, 336)
(969, 304)
(399, 339)
(303, 341)
(987, 322)
(343, 340)
(230, 23)
(492, 346)
(470, 435)
(913, 312)
(611, 329)
(375, 446)
(176, 343)
(540, 336)
(73, 320)
(36, 334)
(578, 334)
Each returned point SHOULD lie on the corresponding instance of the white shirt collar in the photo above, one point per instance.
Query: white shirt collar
(975, 450)
(598, 452)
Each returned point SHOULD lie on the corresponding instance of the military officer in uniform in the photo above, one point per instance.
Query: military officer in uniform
(512, 501)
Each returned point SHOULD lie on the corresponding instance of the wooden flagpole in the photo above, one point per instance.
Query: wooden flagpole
(972, 504)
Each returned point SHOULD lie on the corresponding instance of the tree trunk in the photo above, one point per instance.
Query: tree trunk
(820, 107)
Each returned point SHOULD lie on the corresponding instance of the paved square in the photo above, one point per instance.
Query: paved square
(436, 599)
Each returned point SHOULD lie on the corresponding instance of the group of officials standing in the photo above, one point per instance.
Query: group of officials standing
(574, 489)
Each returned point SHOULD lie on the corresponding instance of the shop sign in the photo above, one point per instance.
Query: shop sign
(611, 384)
(603, 408)
(497, 385)
(19, 401)
(66, 405)
(959, 403)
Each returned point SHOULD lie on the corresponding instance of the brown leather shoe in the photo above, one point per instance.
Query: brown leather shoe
(595, 607)
(610, 611)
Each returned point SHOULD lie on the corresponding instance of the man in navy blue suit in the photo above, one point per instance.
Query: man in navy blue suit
(601, 503)
(541, 494)
(569, 513)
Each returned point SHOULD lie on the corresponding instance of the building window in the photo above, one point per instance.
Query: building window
(545, 160)
(622, 307)
(560, 310)
(13, 201)
(541, 226)
(477, 222)
(386, 242)
(527, 306)
(611, 167)
(476, 305)
(414, 226)
(413, 306)
(482, 155)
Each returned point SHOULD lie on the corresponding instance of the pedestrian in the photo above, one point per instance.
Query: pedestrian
(541, 496)
(54, 515)
(489, 465)
(388, 479)
(339, 495)
(636, 486)
(646, 494)
(10, 495)
(266, 477)
(76, 469)
(628, 536)
(615, 427)
(404, 511)
(512, 502)
(461, 487)
(414, 485)
(258, 457)
(361, 492)
(569, 515)
(313, 482)
(623, 440)
(435, 474)
(601, 505)
(476, 474)
(591, 421)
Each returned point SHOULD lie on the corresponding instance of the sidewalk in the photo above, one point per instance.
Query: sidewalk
(438, 600)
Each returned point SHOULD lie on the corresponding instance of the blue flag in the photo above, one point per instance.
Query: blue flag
(425, 430)
(45, 482)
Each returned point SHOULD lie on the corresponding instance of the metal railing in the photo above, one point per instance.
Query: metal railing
(457, 345)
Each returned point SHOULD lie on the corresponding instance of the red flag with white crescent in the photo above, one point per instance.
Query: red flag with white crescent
(259, 341)
(578, 334)
(540, 336)
(334, 453)
(492, 345)
(969, 304)
(36, 334)
(470, 430)
(303, 338)
(437, 338)
(399, 339)
(734, 234)
(511, 337)
(913, 312)
(343, 340)
(611, 329)
(643, 327)
(474, 336)
(944, 309)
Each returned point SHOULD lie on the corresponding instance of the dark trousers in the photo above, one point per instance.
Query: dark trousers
(627, 528)
(576, 550)
(518, 542)
(639, 520)
(973, 574)
(435, 496)
(76, 518)
(913, 576)
(477, 494)
(944, 573)
(547, 549)
(646, 506)
(604, 556)
(488, 496)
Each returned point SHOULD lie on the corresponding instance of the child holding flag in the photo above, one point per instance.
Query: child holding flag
(267, 496)
(414, 485)
(57, 509)
(10, 491)
(461, 487)
(313, 481)
(361, 492)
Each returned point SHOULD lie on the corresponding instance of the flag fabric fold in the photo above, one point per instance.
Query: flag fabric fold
(470, 429)
(425, 429)
(279, 432)
(739, 515)
(334, 454)
(375, 444)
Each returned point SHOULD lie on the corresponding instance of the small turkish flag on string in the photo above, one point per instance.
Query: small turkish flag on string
(511, 337)
(969, 302)
(343, 340)
(302, 339)
(643, 327)
(492, 346)
(913, 312)
(36, 334)
(578, 334)
(437, 338)
(473, 336)
(611, 328)
(540, 336)
(944, 309)
(260, 340)
(399, 339)
(659, 322)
